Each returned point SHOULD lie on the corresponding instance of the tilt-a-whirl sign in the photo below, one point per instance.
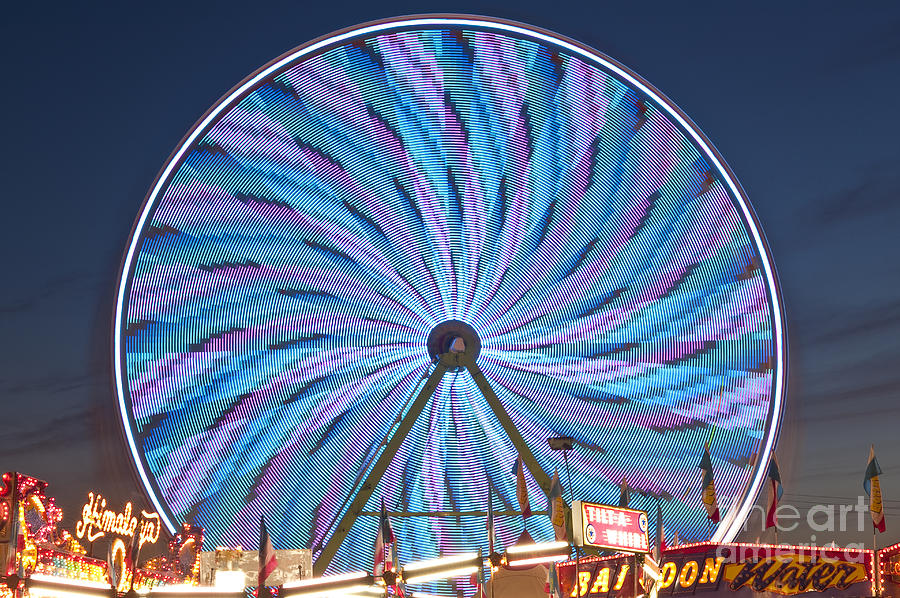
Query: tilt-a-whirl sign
(609, 528)
(727, 569)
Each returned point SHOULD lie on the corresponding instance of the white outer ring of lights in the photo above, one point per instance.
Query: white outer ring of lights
(729, 527)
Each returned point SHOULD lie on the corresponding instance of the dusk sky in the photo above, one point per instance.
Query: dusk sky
(798, 97)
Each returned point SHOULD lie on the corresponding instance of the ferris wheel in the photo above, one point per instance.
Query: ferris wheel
(400, 256)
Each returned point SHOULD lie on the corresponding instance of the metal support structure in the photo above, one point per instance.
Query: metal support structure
(445, 513)
(634, 576)
(508, 426)
(876, 566)
(447, 362)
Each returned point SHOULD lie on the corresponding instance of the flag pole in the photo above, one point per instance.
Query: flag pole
(577, 581)
(492, 581)
(571, 502)
(635, 575)
(491, 548)
(875, 568)
(135, 553)
(569, 475)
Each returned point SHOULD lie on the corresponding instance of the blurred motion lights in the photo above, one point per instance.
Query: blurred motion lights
(332, 585)
(444, 568)
(522, 555)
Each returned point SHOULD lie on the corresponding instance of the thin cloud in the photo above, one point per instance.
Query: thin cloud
(48, 435)
(859, 322)
(875, 193)
(879, 45)
(32, 298)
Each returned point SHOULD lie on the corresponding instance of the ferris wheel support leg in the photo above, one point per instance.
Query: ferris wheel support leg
(508, 426)
(447, 362)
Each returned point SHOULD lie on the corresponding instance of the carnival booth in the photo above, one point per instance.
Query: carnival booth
(40, 558)
(634, 568)
(732, 570)
(889, 561)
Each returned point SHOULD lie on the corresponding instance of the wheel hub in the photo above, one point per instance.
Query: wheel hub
(453, 336)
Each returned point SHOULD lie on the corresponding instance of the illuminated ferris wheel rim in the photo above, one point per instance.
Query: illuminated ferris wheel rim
(736, 513)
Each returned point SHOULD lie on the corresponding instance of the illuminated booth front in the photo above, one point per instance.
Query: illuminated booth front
(734, 570)
(40, 558)
(625, 567)
(889, 566)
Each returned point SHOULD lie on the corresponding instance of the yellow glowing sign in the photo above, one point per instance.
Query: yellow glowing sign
(795, 573)
(119, 573)
(97, 521)
(786, 574)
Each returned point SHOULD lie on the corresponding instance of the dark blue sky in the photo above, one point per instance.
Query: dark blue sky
(800, 99)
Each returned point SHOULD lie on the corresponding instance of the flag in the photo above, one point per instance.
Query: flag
(623, 493)
(20, 539)
(556, 508)
(777, 491)
(477, 579)
(383, 537)
(873, 489)
(709, 487)
(112, 572)
(392, 566)
(491, 532)
(553, 582)
(521, 488)
(16, 535)
(134, 553)
(267, 560)
(651, 570)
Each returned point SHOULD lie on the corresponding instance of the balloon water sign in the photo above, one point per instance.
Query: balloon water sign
(727, 568)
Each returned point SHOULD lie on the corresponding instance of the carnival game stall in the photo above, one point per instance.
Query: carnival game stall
(40, 558)
(732, 570)
(889, 561)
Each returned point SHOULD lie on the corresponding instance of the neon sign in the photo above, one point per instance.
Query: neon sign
(785, 572)
(615, 528)
(893, 567)
(97, 521)
(794, 573)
